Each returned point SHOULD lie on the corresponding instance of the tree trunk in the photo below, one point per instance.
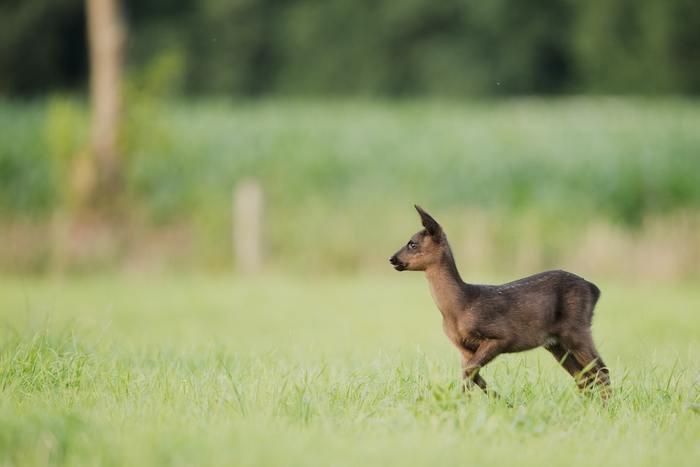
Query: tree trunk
(88, 232)
(106, 40)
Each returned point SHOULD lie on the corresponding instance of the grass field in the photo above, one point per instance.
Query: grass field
(324, 371)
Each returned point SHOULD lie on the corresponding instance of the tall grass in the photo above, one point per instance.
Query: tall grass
(339, 372)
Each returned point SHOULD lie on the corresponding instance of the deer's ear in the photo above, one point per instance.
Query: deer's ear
(430, 224)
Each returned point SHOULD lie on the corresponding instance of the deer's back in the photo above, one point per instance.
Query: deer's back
(532, 310)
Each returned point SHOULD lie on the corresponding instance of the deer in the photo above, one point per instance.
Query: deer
(552, 309)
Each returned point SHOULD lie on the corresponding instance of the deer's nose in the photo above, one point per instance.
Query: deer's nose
(393, 260)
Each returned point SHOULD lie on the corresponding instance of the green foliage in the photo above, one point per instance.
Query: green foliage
(369, 47)
(281, 371)
(146, 137)
(573, 158)
(42, 46)
(25, 171)
(623, 42)
(67, 139)
(446, 48)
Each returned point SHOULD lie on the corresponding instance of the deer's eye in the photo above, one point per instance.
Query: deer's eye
(412, 245)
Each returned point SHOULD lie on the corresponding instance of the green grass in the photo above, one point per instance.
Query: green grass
(324, 371)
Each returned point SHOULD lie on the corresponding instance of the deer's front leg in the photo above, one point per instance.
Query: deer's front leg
(487, 351)
(467, 381)
(470, 377)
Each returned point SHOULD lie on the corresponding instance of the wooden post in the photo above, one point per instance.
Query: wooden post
(247, 226)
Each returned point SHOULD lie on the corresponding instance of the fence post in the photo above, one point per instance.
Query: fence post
(247, 226)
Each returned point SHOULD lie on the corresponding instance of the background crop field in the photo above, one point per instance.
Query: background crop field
(619, 158)
(522, 184)
(330, 371)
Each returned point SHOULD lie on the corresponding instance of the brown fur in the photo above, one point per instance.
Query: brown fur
(552, 309)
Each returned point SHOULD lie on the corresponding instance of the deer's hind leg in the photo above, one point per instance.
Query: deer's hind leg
(569, 362)
(595, 371)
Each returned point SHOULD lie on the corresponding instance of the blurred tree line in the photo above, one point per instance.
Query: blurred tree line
(375, 47)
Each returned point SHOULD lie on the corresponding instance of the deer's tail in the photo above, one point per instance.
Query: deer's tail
(595, 291)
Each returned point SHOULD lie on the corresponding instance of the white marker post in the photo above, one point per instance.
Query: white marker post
(247, 226)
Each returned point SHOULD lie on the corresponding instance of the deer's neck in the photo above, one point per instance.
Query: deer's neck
(450, 293)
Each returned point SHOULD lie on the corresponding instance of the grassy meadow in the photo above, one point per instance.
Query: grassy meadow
(221, 370)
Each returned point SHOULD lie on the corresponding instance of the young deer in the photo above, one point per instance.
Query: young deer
(552, 309)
